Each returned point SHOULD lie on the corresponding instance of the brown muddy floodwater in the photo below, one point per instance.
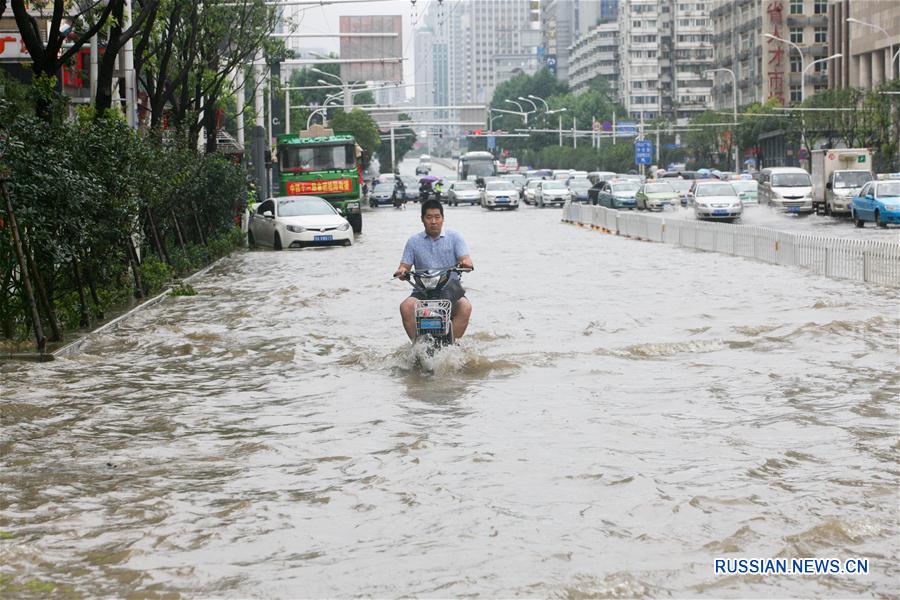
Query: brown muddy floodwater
(622, 414)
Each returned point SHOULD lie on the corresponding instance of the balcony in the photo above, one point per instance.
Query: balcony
(807, 20)
(817, 50)
(817, 79)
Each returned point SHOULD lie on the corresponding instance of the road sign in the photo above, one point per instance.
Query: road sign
(626, 128)
(643, 152)
(491, 142)
(607, 125)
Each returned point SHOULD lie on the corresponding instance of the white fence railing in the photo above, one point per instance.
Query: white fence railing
(875, 261)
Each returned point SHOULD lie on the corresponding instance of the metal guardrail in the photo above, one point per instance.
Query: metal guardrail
(873, 261)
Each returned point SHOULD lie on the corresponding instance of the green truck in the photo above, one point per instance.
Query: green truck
(319, 162)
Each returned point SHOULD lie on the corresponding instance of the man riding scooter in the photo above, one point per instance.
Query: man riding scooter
(399, 196)
(425, 190)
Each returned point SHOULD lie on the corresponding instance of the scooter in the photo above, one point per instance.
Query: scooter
(399, 198)
(433, 324)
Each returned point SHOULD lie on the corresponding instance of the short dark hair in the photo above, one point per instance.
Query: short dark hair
(432, 204)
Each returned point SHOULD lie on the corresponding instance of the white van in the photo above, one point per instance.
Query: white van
(786, 188)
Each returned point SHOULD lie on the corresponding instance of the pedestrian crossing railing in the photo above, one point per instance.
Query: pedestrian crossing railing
(875, 261)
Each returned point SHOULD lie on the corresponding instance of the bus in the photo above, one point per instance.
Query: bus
(318, 162)
(476, 165)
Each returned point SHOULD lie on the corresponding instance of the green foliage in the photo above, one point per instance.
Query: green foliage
(156, 274)
(361, 125)
(182, 289)
(404, 140)
(84, 190)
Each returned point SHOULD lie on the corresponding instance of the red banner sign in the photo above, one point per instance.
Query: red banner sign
(332, 186)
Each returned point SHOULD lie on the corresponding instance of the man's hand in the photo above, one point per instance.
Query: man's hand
(401, 274)
(465, 262)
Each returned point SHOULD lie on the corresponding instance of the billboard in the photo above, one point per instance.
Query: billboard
(381, 46)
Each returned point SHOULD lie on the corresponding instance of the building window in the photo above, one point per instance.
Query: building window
(796, 7)
(795, 63)
(796, 94)
(797, 35)
(820, 7)
(821, 35)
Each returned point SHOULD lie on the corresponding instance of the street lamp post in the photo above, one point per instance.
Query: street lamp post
(886, 34)
(544, 102)
(734, 104)
(348, 99)
(558, 110)
(521, 110)
(802, 66)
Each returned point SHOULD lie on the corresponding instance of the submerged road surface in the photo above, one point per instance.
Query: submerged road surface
(622, 414)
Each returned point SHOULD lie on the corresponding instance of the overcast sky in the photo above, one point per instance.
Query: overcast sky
(325, 19)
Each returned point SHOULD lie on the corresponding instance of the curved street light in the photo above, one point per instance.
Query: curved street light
(734, 93)
(886, 34)
(544, 102)
(802, 65)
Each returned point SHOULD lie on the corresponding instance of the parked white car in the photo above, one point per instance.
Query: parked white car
(716, 200)
(296, 222)
(500, 194)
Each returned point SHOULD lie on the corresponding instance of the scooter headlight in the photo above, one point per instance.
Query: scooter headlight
(430, 282)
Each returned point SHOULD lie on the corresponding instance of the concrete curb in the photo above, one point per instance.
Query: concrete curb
(76, 345)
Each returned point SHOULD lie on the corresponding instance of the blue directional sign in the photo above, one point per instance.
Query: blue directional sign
(643, 152)
(626, 128)
(491, 142)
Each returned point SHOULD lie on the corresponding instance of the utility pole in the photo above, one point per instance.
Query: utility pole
(393, 151)
(95, 61)
(128, 69)
(259, 130)
(574, 135)
(560, 130)
(614, 128)
(241, 103)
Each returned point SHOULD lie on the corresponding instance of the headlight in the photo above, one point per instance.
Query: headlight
(353, 205)
(344, 227)
(295, 228)
(430, 282)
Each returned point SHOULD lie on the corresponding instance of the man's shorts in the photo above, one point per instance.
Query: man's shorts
(453, 291)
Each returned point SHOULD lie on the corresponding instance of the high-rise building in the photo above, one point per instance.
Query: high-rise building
(764, 67)
(471, 47)
(868, 46)
(595, 54)
(665, 49)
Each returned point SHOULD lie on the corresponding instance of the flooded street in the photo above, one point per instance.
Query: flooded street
(620, 414)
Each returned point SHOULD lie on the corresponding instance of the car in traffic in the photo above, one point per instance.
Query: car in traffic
(580, 188)
(656, 195)
(463, 192)
(747, 190)
(383, 194)
(411, 192)
(618, 193)
(788, 189)
(530, 189)
(682, 187)
(500, 194)
(551, 191)
(877, 201)
(297, 222)
(518, 180)
(716, 200)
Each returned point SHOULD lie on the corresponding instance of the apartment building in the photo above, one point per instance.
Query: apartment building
(744, 37)
(869, 45)
(595, 54)
(665, 49)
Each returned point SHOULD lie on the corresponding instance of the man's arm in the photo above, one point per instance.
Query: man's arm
(462, 252)
(402, 271)
(466, 262)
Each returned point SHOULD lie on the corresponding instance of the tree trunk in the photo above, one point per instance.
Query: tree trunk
(56, 333)
(197, 223)
(85, 320)
(92, 286)
(178, 231)
(23, 269)
(158, 242)
(107, 67)
(209, 122)
(139, 291)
